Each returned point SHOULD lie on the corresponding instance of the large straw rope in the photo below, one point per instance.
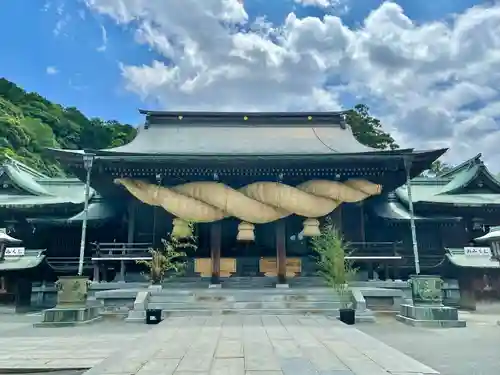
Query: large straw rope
(258, 203)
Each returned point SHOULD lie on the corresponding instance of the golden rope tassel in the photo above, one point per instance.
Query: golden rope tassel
(311, 228)
(245, 232)
(181, 229)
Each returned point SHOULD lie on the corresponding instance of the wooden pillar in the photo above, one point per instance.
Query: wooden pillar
(96, 271)
(362, 222)
(281, 250)
(370, 271)
(387, 271)
(215, 244)
(397, 274)
(131, 221)
(130, 237)
(121, 278)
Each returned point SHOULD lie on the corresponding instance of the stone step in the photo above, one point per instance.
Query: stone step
(140, 316)
(257, 291)
(244, 297)
(241, 300)
(245, 305)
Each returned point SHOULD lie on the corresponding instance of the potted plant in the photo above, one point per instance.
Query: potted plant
(168, 261)
(330, 249)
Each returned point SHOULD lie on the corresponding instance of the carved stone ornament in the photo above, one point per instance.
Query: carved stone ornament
(426, 289)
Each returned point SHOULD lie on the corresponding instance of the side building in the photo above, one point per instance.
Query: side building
(451, 210)
(46, 213)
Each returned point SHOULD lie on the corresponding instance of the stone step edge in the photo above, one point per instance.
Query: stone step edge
(136, 316)
(231, 308)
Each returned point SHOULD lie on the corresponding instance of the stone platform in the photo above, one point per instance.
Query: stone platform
(430, 316)
(264, 301)
(69, 316)
(257, 345)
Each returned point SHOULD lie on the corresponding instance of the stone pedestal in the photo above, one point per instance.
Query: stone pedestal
(72, 308)
(427, 309)
(282, 286)
(430, 316)
(65, 317)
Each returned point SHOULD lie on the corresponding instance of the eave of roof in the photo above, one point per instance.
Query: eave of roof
(98, 212)
(31, 259)
(395, 211)
(458, 258)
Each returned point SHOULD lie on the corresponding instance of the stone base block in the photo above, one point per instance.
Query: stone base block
(69, 316)
(136, 316)
(155, 288)
(282, 286)
(430, 316)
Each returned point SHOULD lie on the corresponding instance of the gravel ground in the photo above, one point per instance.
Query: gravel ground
(474, 350)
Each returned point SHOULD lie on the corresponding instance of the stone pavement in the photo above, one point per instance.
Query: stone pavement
(23, 347)
(457, 351)
(257, 345)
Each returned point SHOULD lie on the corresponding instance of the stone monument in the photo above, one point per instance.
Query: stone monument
(427, 309)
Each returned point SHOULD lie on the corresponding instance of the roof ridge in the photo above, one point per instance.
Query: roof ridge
(245, 119)
(466, 164)
(23, 167)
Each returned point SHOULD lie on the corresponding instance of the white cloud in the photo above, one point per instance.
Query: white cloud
(320, 3)
(104, 40)
(51, 70)
(434, 83)
(63, 17)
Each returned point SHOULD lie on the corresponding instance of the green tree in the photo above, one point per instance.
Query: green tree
(29, 123)
(368, 129)
(331, 250)
(437, 169)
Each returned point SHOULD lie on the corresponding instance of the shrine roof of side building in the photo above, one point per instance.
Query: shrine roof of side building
(469, 184)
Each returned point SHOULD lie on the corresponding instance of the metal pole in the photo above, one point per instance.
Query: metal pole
(407, 162)
(88, 167)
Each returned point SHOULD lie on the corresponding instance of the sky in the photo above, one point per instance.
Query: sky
(429, 69)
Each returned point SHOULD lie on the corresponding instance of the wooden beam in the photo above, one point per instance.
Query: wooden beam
(281, 250)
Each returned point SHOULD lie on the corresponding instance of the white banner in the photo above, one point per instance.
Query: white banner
(14, 251)
(477, 251)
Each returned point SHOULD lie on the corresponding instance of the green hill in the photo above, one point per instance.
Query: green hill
(29, 123)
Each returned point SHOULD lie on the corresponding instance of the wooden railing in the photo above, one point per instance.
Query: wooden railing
(118, 251)
(381, 253)
(375, 251)
(122, 251)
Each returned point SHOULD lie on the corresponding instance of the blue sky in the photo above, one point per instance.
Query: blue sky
(66, 39)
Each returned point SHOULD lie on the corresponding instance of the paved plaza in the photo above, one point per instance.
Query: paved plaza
(473, 350)
(259, 345)
(23, 347)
